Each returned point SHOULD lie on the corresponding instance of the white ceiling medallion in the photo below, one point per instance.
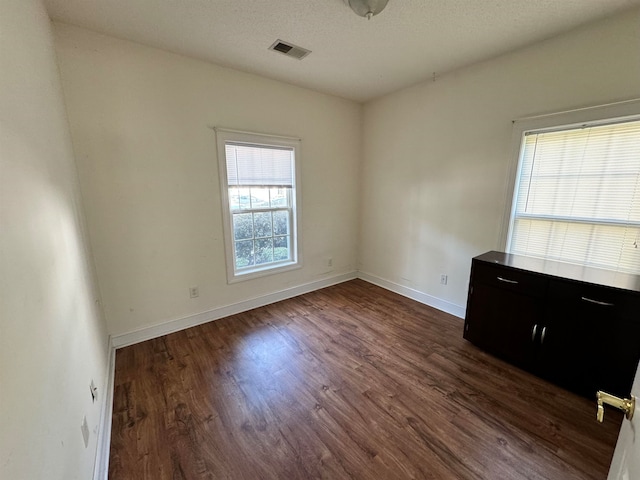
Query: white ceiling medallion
(367, 8)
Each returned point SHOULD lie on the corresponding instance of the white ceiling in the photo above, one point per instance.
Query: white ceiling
(351, 57)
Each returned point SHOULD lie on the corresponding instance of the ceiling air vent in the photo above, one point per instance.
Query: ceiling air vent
(289, 49)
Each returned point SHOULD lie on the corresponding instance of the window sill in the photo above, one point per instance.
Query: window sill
(263, 272)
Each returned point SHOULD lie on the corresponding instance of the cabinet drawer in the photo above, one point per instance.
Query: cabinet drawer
(511, 279)
(609, 302)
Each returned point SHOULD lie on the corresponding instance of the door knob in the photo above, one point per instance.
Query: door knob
(627, 405)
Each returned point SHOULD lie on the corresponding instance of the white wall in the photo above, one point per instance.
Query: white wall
(140, 122)
(52, 338)
(437, 155)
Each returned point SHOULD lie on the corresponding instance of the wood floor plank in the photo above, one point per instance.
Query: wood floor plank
(348, 382)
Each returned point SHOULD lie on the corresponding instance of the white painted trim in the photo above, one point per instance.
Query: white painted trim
(176, 325)
(256, 134)
(101, 467)
(621, 108)
(435, 302)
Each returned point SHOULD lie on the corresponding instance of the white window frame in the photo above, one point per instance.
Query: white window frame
(606, 114)
(224, 136)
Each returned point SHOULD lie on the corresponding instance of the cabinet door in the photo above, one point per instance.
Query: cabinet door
(614, 371)
(502, 313)
(618, 338)
(591, 339)
(568, 346)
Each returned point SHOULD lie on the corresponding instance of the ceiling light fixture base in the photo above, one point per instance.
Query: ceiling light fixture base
(367, 8)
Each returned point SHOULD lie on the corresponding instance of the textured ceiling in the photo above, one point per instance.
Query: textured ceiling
(351, 57)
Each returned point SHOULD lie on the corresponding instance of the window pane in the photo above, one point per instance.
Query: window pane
(234, 196)
(244, 253)
(281, 222)
(262, 224)
(264, 251)
(242, 226)
(259, 197)
(279, 197)
(281, 250)
(239, 198)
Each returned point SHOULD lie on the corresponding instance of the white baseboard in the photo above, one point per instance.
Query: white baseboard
(435, 302)
(101, 467)
(154, 331)
(172, 326)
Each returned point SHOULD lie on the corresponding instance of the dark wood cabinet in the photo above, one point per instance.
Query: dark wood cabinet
(578, 327)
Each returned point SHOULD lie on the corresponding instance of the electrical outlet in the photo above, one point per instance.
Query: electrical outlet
(194, 292)
(329, 261)
(94, 391)
(443, 279)
(84, 427)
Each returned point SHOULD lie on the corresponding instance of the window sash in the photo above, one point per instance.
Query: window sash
(253, 238)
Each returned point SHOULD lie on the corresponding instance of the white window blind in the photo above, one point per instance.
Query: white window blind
(578, 196)
(249, 165)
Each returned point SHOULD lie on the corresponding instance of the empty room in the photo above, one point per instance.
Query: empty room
(340, 239)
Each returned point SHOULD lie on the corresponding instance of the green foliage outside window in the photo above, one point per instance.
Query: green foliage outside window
(261, 237)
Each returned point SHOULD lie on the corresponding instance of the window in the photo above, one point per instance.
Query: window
(260, 202)
(577, 195)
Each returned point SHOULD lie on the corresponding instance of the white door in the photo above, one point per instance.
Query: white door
(626, 458)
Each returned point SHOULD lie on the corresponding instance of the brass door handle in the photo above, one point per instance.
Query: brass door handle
(627, 405)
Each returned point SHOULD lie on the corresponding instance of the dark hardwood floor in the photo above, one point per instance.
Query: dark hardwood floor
(349, 382)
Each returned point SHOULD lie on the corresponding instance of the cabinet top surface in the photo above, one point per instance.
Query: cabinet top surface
(564, 270)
